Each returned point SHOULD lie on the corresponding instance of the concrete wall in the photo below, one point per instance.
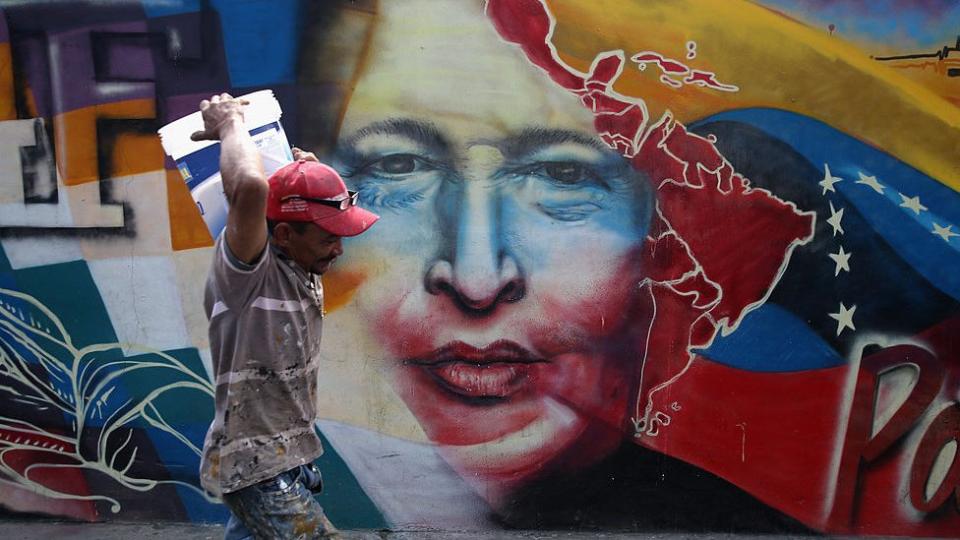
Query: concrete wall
(666, 265)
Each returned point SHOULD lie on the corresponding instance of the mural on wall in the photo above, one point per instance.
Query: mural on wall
(654, 265)
(100, 396)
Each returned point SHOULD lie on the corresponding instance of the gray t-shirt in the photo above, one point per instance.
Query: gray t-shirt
(265, 323)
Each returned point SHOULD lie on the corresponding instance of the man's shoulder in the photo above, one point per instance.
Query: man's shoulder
(231, 264)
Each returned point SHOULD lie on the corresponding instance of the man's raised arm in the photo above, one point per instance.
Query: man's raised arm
(244, 181)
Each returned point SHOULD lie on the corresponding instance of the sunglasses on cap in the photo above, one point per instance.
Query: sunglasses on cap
(339, 204)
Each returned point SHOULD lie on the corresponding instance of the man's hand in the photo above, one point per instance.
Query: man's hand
(299, 154)
(219, 112)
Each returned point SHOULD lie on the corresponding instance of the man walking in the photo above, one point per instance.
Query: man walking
(264, 302)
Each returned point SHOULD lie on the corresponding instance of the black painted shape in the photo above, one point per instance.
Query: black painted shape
(939, 55)
(108, 130)
(637, 489)
(127, 231)
(38, 168)
(189, 58)
(31, 73)
(40, 186)
(122, 56)
(59, 15)
(160, 502)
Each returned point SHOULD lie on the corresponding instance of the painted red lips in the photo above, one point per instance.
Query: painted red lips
(498, 370)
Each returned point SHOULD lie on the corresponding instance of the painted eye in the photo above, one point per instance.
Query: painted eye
(398, 164)
(570, 174)
(566, 172)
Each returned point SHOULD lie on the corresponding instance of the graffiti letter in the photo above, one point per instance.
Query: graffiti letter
(944, 430)
(74, 207)
(860, 445)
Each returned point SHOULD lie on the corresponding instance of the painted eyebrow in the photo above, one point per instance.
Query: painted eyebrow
(532, 139)
(421, 132)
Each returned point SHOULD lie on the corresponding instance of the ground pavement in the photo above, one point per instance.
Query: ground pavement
(13, 529)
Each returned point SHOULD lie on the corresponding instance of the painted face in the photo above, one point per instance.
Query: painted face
(500, 287)
(314, 249)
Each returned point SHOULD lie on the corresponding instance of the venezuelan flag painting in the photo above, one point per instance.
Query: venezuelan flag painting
(644, 265)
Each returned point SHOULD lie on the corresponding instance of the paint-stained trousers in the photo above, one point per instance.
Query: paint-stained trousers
(279, 508)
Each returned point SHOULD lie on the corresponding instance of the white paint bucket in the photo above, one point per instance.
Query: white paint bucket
(199, 161)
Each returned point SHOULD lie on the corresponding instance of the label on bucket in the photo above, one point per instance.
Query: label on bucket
(274, 150)
(204, 163)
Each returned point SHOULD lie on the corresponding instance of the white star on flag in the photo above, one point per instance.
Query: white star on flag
(828, 180)
(844, 318)
(835, 218)
(912, 203)
(944, 232)
(872, 182)
(842, 260)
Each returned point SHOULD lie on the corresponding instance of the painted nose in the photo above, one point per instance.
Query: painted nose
(480, 272)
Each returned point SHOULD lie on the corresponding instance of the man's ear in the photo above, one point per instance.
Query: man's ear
(281, 234)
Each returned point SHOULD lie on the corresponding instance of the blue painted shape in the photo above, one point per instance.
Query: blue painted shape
(69, 291)
(772, 339)
(190, 414)
(343, 499)
(200, 509)
(4, 32)
(261, 38)
(911, 236)
(4, 262)
(139, 377)
(162, 8)
(926, 26)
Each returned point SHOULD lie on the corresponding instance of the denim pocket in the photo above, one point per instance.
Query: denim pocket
(284, 481)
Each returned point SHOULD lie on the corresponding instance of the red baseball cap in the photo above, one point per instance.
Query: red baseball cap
(310, 191)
